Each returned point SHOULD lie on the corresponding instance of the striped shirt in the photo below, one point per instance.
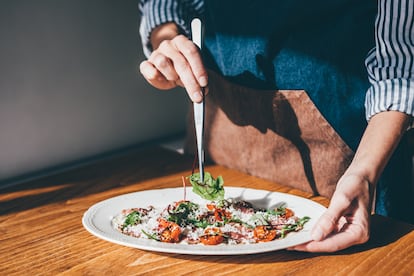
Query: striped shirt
(390, 64)
(157, 12)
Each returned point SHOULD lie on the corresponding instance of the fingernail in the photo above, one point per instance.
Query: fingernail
(197, 97)
(203, 81)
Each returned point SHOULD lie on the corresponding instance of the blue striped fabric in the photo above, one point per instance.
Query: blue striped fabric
(390, 64)
(157, 12)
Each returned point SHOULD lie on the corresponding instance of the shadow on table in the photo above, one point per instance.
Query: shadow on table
(384, 231)
(103, 175)
(267, 257)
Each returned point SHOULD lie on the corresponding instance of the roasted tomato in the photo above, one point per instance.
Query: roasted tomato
(170, 231)
(220, 214)
(212, 236)
(264, 233)
(211, 206)
(288, 213)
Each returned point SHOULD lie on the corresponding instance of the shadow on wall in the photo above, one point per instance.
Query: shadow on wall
(69, 87)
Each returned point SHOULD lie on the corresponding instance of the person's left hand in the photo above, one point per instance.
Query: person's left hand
(346, 221)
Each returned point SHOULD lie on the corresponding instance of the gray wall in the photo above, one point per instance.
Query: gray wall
(69, 87)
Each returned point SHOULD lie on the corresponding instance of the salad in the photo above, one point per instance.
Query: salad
(218, 221)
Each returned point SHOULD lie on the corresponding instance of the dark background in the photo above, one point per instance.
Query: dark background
(69, 87)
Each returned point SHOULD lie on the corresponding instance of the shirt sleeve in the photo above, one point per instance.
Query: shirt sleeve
(157, 12)
(390, 64)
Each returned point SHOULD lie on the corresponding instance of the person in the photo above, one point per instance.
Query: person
(291, 100)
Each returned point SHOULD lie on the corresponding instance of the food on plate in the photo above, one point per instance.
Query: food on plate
(225, 221)
(218, 221)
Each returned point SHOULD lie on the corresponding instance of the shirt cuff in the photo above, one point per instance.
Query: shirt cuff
(390, 95)
(155, 13)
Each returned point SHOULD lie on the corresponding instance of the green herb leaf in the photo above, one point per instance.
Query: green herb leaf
(294, 227)
(181, 214)
(202, 223)
(211, 189)
(151, 236)
(301, 222)
(132, 218)
(277, 211)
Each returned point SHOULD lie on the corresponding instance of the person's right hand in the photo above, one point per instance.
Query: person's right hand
(175, 62)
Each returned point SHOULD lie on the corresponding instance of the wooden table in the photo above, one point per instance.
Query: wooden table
(41, 230)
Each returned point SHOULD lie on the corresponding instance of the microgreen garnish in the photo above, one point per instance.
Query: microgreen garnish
(210, 189)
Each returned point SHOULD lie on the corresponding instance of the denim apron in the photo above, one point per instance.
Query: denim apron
(286, 93)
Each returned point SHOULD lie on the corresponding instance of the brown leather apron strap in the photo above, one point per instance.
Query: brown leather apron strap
(276, 135)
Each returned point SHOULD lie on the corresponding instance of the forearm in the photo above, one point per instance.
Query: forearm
(380, 138)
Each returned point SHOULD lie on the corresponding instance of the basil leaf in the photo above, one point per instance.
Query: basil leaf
(211, 189)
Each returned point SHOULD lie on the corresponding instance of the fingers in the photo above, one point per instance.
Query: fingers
(192, 55)
(176, 62)
(329, 221)
(182, 53)
(164, 66)
(350, 234)
(154, 77)
(345, 222)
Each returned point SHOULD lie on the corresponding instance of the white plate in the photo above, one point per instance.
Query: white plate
(98, 219)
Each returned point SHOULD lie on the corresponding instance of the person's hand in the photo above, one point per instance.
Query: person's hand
(346, 221)
(175, 61)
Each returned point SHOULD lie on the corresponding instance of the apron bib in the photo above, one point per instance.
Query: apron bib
(276, 135)
(286, 101)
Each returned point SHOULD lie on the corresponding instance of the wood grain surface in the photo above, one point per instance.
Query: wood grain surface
(41, 230)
